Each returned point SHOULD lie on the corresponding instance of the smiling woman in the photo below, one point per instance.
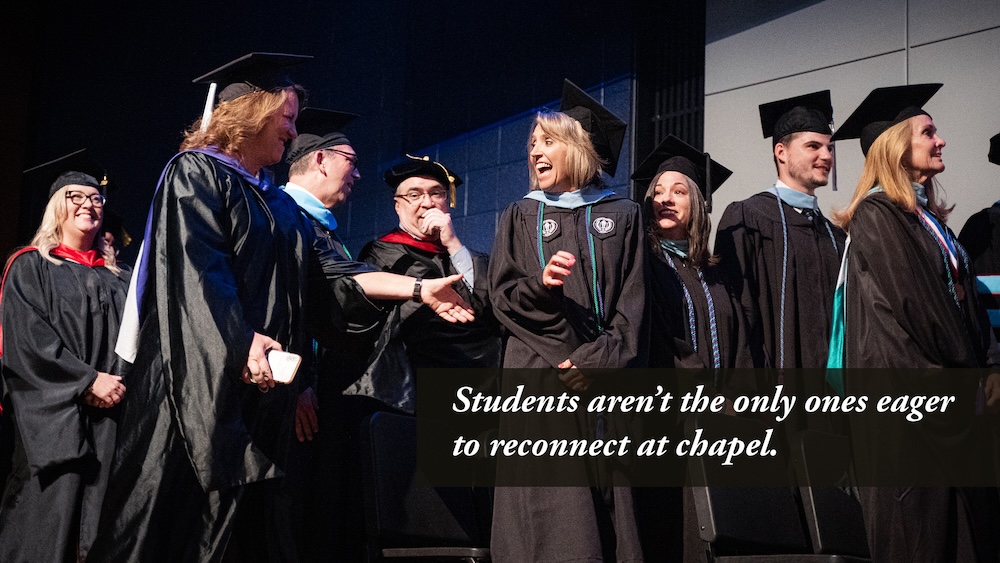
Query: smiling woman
(63, 298)
(566, 281)
(909, 300)
(221, 278)
(685, 276)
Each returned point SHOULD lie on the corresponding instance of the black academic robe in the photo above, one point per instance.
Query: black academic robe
(672, 343)
(343, 352)
(430, 340)
(606, 328)
(224, 259)
(900, 312)
(771, 271)
(60, 323)
(981, 238)
(895, 262)
(427, 340)
(329, 506)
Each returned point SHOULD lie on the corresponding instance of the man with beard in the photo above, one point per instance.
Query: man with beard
(425, 245)
(781, 254)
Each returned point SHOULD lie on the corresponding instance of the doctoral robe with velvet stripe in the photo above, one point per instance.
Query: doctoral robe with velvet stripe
(430, 340)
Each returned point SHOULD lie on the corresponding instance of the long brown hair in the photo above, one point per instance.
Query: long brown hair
(885, 166)
(699, 224)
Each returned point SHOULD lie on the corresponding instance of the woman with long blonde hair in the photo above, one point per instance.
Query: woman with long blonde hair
(908, 300)
(62, 302)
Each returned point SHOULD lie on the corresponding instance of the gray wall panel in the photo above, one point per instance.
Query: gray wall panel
(829, 33)
(733, 135)
(967, 114)
(932, 20)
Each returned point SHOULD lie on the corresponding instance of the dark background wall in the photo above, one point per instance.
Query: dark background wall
(116, 79)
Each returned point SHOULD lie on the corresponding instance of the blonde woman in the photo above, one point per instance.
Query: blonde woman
(62, 303)
(567, 284)
(910, 301)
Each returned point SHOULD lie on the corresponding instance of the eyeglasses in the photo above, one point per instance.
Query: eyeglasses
(416, 197)
(97, 200)
(352, 158)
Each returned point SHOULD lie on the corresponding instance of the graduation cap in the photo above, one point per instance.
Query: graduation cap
(423, 166)
(318, 128)
(806, 113)
(78, 167)
(607, 131)
(676, 155)
(994, 155)
(250, 73)
(883, 108)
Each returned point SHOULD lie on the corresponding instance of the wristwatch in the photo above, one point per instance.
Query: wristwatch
(417, 284)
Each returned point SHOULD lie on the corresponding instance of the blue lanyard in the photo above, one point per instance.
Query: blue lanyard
(712, 323)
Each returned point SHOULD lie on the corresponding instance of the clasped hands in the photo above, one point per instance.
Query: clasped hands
(106, 391)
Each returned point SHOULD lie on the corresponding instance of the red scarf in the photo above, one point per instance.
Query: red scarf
(400, 236)
(87, 258)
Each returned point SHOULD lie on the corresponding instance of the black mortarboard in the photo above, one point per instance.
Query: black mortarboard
(249, 73)
(423, 166)
(674, 154)
(318, 129)
(78, 167)
(607, 132)
(994, 155)
(809, 112)
(252, 72)
(883, 108)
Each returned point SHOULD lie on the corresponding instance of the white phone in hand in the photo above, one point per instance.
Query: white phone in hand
(284, 365)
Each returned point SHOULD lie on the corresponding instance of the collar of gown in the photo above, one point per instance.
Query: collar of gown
(588, 195)
(311, 205)
(794, 198)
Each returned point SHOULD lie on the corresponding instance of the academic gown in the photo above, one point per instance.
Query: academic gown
(672, 342)
(60, 324)
(981, 238)
(330, 526)
(343, 352)
(224, 259)
(900, 312)
(594, 327)
(772, 271)
(679, 301)
(427, 340)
